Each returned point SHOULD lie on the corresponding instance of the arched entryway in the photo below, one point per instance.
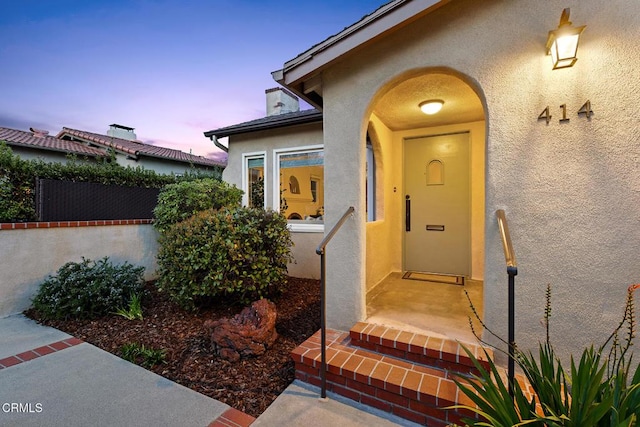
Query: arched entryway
(426, 175)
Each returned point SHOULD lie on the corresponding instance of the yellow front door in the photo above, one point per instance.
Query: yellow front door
(437, 236)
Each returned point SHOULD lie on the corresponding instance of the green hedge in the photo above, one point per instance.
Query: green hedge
(240, 253)
(18, 179)
(182, 200)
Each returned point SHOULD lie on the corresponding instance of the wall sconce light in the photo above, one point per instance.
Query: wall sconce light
(562, 43)
(431, 106)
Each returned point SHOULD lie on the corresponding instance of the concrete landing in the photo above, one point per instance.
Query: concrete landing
(301, 405)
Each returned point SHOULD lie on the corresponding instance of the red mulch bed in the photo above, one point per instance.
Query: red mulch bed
(249, 385)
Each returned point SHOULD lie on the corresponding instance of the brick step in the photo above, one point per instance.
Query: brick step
(420, 348)
(410, 390)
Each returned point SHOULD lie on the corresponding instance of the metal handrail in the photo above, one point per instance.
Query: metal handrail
(512, 271)
(334, 230)
(323, 297)
(509, 254)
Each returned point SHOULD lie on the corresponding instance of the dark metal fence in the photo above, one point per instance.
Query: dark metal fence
(86, 201)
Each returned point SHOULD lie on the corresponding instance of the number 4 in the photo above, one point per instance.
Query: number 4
(586, 109)
(545, 115)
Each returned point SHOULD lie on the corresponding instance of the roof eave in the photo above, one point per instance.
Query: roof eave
(169, 159)
(310, 63)
(57, 150)
(107, 142)
(287, 121)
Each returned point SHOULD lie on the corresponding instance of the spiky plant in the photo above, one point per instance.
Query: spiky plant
(594, 392)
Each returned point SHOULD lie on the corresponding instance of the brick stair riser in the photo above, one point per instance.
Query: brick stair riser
(450, 362)
(407, 374)
(417, 407)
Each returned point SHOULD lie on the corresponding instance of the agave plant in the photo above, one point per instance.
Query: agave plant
(596, 391)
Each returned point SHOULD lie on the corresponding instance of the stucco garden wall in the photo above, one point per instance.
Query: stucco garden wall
(30, 255)
(569, 189)
(306, 263)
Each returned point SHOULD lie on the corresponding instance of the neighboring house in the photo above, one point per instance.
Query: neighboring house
(131, 152)
(557, 149)
(282, 154)
(37, 144)
(120, 141)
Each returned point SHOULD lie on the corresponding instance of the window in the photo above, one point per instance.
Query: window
(299, 187)
(294, 187)
(314, 188)
(253, 178)
(371, 182)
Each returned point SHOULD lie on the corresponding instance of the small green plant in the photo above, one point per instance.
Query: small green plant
(133, 311)
(596, 391)
(88, 289)
(240, 253)
(182, 200)
(141, 355)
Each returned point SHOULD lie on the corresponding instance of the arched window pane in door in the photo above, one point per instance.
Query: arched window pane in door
(435, 172)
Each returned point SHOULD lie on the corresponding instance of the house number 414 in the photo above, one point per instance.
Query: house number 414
(585, 109)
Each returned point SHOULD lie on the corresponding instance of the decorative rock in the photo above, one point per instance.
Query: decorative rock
(251, 332)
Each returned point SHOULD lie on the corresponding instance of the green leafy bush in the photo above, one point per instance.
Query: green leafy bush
(88, 289)
(180, 201)
(241, 253)
(18, 179)
(595, 391)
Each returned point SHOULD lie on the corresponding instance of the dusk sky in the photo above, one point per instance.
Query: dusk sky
(171, 69)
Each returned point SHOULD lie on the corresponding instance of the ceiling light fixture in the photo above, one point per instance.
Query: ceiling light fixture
(431, 106)
(562, 43)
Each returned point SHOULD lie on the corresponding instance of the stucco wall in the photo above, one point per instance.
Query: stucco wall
(46, 156)
(29, 256)
(158, 165)
(569, 190)
(306, 263)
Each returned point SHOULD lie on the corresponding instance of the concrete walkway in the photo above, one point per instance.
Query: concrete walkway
(48, 378)
(300, 405)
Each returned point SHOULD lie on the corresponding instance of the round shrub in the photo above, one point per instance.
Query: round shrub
(88, 289)
(240, 253)
(177, 202)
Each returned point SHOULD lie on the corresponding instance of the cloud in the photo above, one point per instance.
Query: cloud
(217, 155)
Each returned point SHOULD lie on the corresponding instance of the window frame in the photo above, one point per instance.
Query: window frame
(295, 227)
(371, 184)
(245, 174)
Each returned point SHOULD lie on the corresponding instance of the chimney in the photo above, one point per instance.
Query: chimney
(123, 132)
(281, 101)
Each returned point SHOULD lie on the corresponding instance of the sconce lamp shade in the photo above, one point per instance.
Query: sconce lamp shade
(562, 43)
(432, 106)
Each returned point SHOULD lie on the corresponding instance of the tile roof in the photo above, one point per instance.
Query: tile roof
(269, 122)
(39, 140)
(136, 148)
